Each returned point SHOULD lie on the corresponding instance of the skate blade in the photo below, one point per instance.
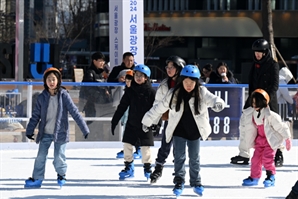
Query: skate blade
(31, 187)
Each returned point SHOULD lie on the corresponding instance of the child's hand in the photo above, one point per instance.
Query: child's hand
(288, 144)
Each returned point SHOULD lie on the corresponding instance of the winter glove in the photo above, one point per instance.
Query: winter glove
(113, 128)
(155, 129)
(31, 137)
(288, 144)
(86, 136)
(217, 107)
(145, 128)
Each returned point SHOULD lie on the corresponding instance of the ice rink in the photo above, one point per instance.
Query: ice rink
(93, 173)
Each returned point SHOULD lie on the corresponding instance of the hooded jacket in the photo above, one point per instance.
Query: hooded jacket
(115, 72)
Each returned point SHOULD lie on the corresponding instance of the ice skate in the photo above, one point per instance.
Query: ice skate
(292, 195)
(279, 159)
(250, 181)
(199, 190)
(270, 180)
(137, 154)
(127, 172)
(32, 183)
(61, 180)
(157, 173)
(120, 154)
(179, 186)
(239, 160)
(178, 189)
(147, 170)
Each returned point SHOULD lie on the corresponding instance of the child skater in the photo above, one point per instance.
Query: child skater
(266, 133)
(188, 122)
(173, 69)
(51, 113)
(139, 97)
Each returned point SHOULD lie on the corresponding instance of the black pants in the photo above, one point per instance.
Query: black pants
(165, 147)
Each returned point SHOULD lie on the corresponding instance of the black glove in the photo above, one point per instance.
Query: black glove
(113, 128)
(30, 137)
(155, 129)
(86, 136)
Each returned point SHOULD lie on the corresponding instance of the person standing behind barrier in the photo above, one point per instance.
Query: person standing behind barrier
(266, 132)
(223, 75)
(208, 74)
(174, 66)
(188, 123)
(51, 114)
(127, 63)
(92, 95)
(139, 97)
(264, 75)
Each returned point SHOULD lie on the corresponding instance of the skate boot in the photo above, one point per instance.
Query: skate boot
(120, 154)
(279, 158)
(61, 180)
(198, 190)
(32, 183)
(147, 170)
(270, 180)
(128, 171)
(157, 173)
(250, 181)
(179, 186)
(239, 160)
(137, 154)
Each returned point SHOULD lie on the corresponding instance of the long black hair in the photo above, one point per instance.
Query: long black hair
(179, 89)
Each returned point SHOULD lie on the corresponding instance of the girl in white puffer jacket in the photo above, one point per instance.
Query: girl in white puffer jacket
(266, 132)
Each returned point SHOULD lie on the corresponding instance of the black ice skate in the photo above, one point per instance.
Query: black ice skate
(279, 158)
(157, 173)
(239, 160)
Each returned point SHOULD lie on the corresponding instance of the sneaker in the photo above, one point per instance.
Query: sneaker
(250, 181)
(120, 154)
(32, 183)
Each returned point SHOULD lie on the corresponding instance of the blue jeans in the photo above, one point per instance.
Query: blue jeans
(165, 148)
(194, 159)
(59, 157)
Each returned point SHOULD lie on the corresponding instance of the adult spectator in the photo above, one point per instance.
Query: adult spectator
(208, 74)
(223, 75)
(127, 63)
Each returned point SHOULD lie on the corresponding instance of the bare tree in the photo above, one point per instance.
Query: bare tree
(267, 28)
(153, 43)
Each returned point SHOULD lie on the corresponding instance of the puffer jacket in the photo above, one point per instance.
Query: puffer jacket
(202, 120)
(282, 94)
(65, 106)
(276, 130)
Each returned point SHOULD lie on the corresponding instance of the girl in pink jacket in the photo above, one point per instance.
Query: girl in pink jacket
(266, 133)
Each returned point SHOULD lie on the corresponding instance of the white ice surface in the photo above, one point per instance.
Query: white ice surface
(93, 173)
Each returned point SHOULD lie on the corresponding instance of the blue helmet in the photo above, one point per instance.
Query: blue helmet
(144, 69)
(191, 71)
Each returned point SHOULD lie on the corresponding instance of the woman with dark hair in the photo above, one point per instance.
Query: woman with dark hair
(51, 114)
(223, 75)
(188, 122)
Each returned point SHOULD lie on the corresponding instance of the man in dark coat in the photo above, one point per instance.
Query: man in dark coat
(264, 74)
(127, 63)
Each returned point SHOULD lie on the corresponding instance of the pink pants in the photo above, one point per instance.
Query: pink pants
(263, 155)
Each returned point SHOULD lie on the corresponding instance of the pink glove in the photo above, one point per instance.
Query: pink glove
(288, 144)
